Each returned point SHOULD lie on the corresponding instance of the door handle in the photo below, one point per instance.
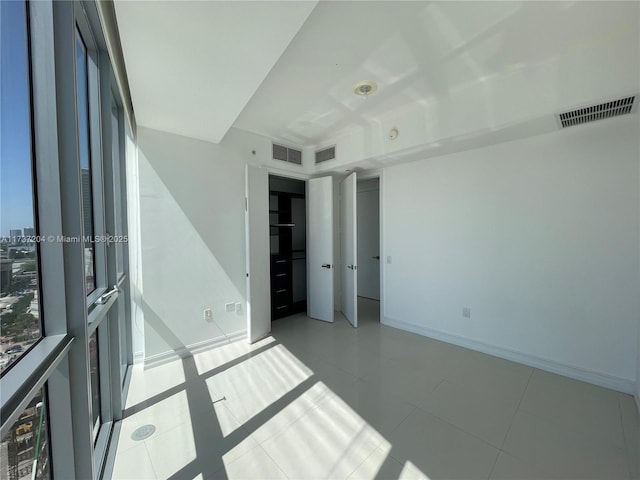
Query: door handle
(377, 257)
(326, 265)
(352, 267)
(105, 296)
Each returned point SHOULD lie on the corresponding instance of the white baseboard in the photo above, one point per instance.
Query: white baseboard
(188, 350)
(138, 357)
(589, 376)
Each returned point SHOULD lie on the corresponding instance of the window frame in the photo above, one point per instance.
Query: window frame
(60, 358)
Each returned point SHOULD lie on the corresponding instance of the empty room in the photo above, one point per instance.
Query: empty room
(320, 240)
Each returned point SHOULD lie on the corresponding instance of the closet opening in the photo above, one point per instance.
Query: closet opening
(288, 246)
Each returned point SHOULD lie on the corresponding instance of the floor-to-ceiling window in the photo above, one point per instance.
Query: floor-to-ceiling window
(64, 328)
(24, 447)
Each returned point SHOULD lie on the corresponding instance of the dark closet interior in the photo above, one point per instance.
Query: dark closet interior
(287, 226)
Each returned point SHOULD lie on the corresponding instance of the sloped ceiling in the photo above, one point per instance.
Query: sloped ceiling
(458, 66)
(193, 66)
(286, 70)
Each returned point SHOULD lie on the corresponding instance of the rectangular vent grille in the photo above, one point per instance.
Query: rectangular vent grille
(295, 156)
(286, 154)
(326, 154)
(597, 112)
(279, 152)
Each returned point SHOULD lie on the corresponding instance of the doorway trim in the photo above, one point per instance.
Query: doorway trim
(379, 174)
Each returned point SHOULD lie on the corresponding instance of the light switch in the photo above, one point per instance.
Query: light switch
(388, 259)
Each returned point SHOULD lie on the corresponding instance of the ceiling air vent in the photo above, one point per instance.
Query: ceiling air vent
(326, 154)
(294, 156)
(597, 112)
(286, 154)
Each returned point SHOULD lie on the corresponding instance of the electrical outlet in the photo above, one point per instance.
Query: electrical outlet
(208, 314)
(466, 312)
(229, 307)
(238, 308)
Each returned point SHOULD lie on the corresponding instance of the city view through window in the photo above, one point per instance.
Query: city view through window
(24, 451)
(19, 302)
(20, 323)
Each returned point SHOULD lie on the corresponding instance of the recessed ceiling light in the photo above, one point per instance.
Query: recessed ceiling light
(365, 88)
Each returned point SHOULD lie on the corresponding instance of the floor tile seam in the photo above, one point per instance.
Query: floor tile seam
(163, 433)
(323, 360)
(341, 369)
(241, 425)
(424, 408)
(573, 431)
(183, 418)
(224, 466)
(365, 459)
(495, 462)
(284, 427)
(567, 404)
(475, 435)
(403, 419)
(575, 386)
(431, 392)
(314, 405)
(513, 417)
(627, 448)
(271, 458)
(527, 462)
(153, 468)
(119, 448)
(460, 429)
(389, 398)
(515, 400)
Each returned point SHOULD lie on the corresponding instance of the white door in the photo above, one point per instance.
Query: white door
(257, 253)
(320, 248)
(349, 249)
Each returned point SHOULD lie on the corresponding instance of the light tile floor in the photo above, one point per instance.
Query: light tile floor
(318, 400)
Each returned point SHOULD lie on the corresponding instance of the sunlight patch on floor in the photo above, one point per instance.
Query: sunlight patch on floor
(330, 440)
(253, 385)
(151, 381)
(409, 470)
(217, 357)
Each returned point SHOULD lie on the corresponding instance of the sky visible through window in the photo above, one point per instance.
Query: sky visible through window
(20, 326)
(16, 190)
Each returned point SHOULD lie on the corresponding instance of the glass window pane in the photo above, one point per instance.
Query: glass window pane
(24, 451)
(123, 338)
(82, 92)
(94, 368)
(117, 192)
(20, 323)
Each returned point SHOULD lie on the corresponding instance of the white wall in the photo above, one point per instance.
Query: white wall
(539, 237)
(134, 246)
(192, 236)
(191, 221)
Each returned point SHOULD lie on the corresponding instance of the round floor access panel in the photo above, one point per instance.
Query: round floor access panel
(143, 432)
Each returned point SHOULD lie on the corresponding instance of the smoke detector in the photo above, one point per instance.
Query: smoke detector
(365, 88)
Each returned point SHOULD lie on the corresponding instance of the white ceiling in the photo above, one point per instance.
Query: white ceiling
(460, 67)
(192, 66)
(529, 54)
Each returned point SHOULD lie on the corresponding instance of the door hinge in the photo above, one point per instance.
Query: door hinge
(246, 204)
